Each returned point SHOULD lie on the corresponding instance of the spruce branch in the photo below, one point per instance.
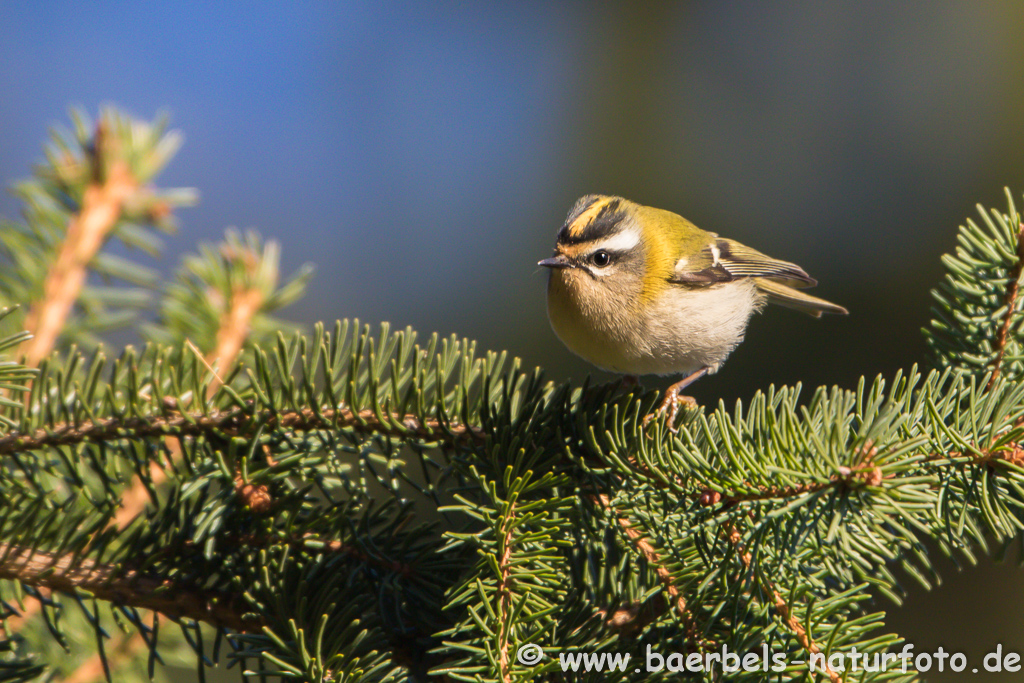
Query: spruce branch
(239, 421)
(898, 433)
(978, 311)
(505, 588)
(1016, 273)
(240, 276)
(225, 296)
(151, 391)
(105, 181)
(72, 574)
(94, 186)
(100, 211)
(252, 275)
(781, 605)
(648, 552)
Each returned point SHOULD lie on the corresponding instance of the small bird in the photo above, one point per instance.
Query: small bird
(638, 290)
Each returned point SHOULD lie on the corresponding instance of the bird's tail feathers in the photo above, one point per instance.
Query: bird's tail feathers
(783, 295)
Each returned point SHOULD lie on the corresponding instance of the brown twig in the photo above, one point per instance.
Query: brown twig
(28, 566)
(782, 607)
(231, 335)
(67, 574)
(101, 208)
(505, 598)
(865, 475)
(102, 204)
(233, 422)
(234, 330)
(664, 575)
(1013, 454)
(1010, 301)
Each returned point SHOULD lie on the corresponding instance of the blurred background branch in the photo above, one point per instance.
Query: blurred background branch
(94, 186)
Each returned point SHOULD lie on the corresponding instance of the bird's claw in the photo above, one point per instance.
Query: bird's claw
(670, 404)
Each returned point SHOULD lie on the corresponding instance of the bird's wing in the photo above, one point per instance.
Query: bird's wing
(725, 260)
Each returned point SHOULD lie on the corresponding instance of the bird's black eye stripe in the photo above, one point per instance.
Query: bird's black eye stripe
(601, 258)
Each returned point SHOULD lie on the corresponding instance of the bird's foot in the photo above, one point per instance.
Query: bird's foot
(670, 404)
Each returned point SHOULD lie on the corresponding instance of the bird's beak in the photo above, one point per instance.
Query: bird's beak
(557, 261)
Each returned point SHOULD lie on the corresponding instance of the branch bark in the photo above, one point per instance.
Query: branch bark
(231, 336)
(505, 598)
(66, 574)
(233, 422)
(1012, 292)
(102, 205)
(664, 575)
(781, 606)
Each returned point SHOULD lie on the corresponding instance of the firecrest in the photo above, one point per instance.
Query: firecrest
(638, 290)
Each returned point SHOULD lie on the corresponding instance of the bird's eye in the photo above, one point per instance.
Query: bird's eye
(601, 258)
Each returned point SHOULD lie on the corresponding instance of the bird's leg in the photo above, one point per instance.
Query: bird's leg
(628, 382)
(672, 399)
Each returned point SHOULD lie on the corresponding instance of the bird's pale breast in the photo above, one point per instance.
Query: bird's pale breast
(681, 331)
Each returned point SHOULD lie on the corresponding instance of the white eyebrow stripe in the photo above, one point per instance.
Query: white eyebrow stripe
(623, 241)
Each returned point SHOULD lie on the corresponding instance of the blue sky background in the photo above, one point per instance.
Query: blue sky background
(423, 155)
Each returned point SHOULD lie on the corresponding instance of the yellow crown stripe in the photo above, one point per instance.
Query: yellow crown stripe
(584, 219)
